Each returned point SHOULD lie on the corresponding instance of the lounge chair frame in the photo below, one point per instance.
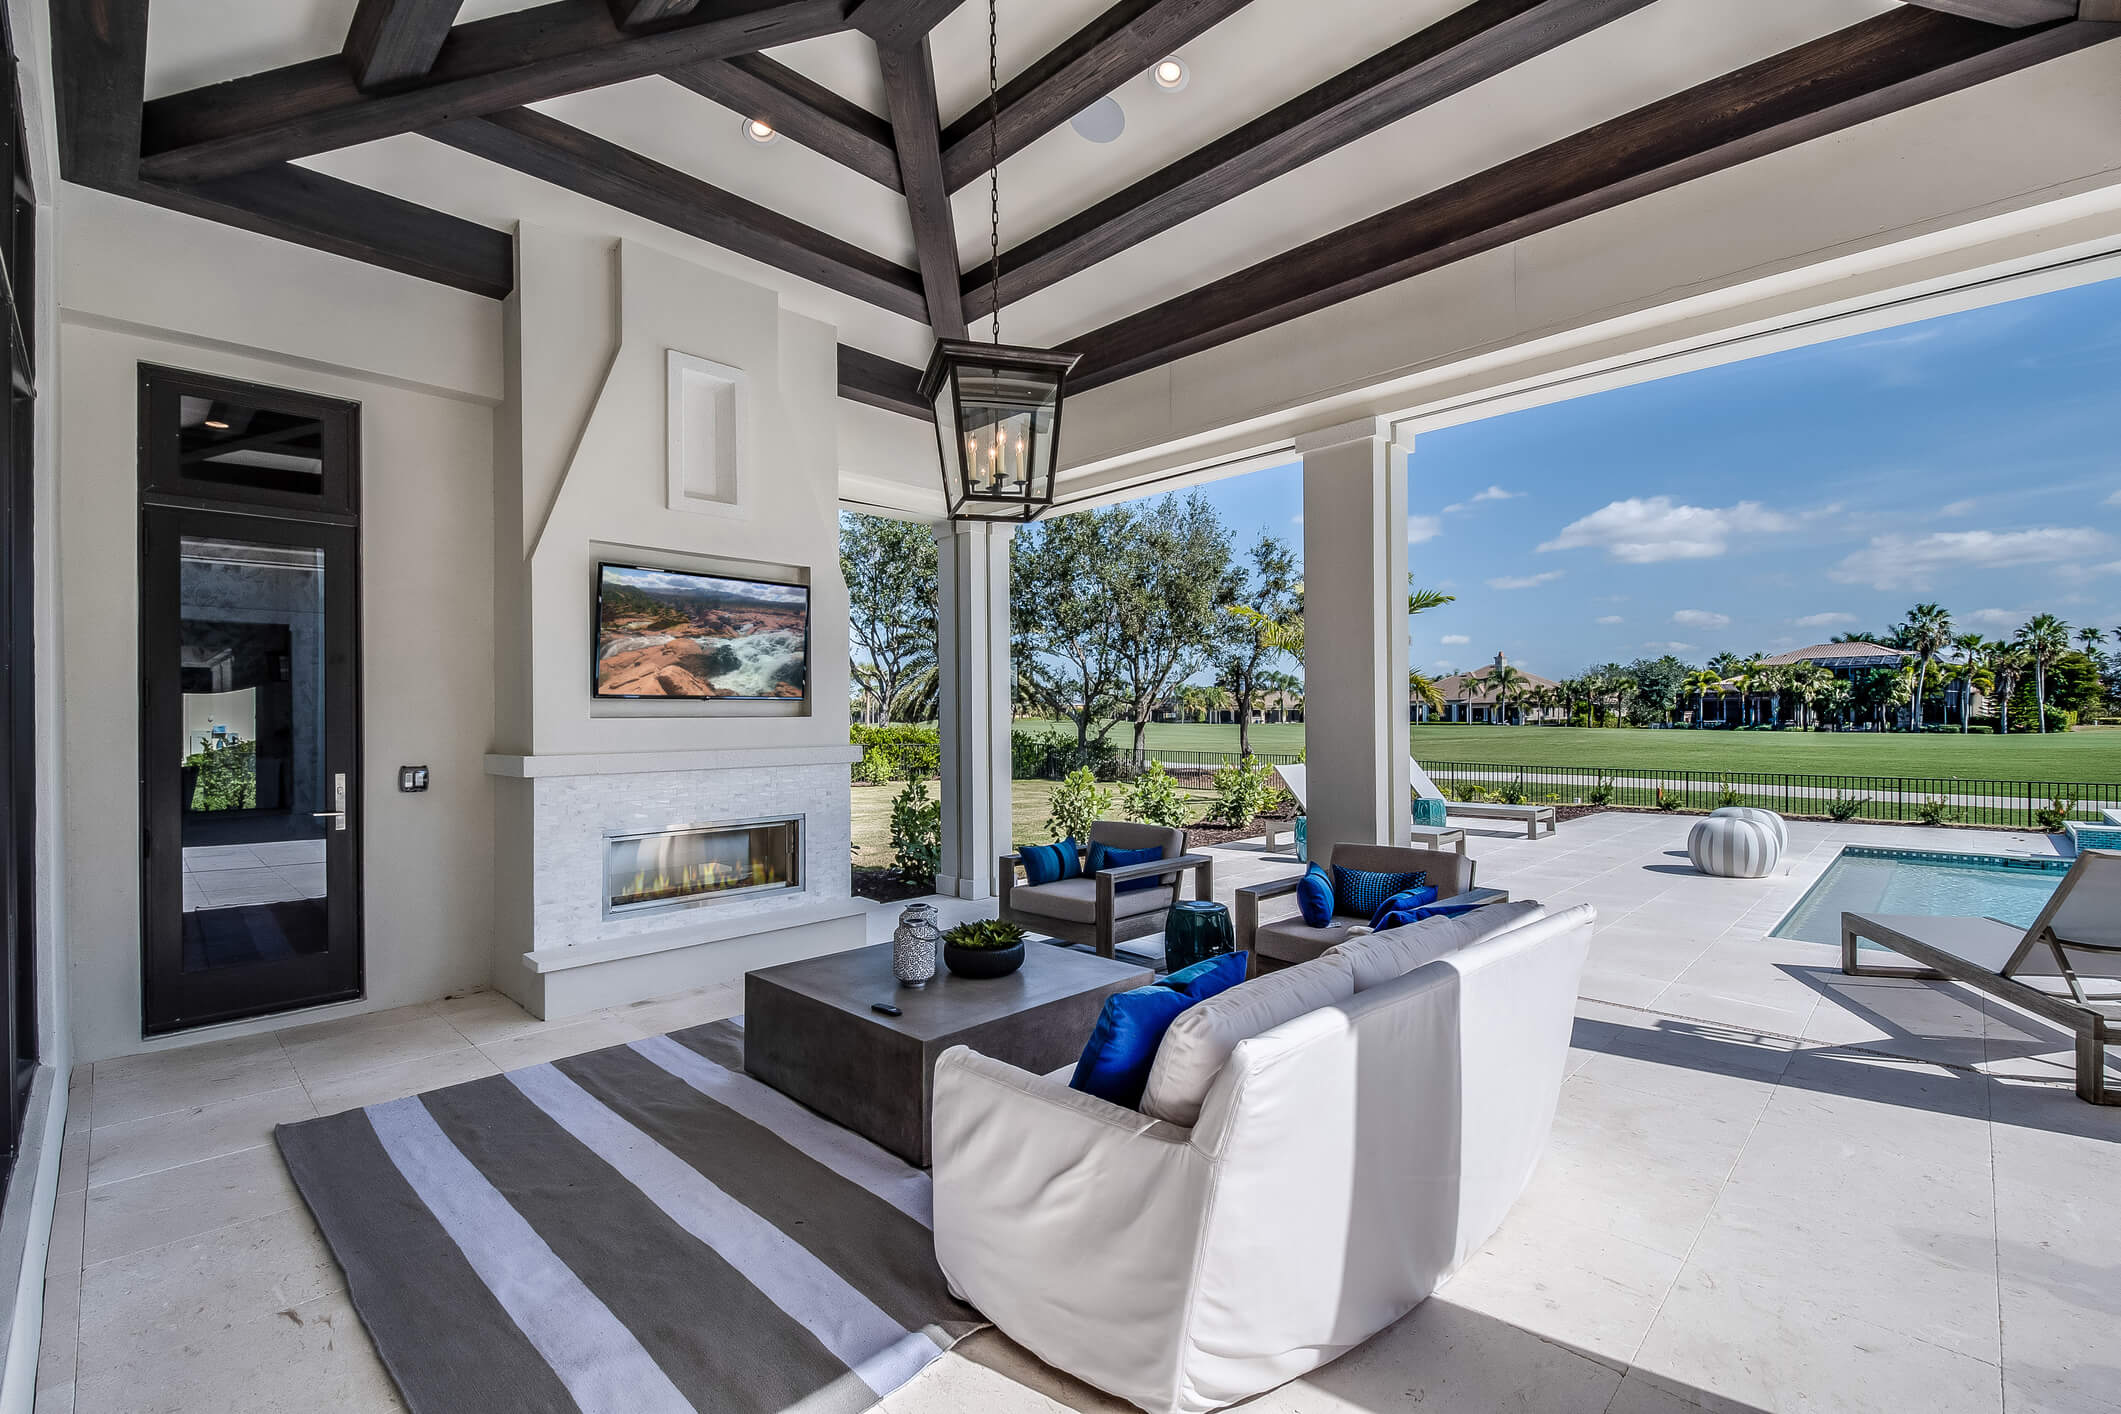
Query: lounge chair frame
(2080, 1013)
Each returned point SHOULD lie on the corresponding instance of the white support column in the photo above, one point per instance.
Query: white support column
(973, 626)
(1355, 636)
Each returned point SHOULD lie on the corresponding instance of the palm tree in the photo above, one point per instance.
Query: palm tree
(2045, 639)
(1837, 698)
(1928, 629)
(1748, 673)
(2008, 662)
(2091, 638)
(1421, 688)
(1807, 683)
(1506, 679)
(1701, 682)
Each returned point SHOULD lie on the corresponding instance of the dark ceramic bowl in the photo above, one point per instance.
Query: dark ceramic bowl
(982, 962)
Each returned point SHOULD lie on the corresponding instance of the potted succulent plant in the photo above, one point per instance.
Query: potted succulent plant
(990, 948)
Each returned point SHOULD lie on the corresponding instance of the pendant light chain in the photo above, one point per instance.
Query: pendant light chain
(994, 164)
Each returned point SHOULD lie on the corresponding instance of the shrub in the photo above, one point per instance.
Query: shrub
(2055, 815)
(1936, 811)
(1155, 799)
(1846, 807)
(908, 750)
(1028, 753)
(875, 767)
(1667, 800)
(1730, 795)
(1079, 803)
(1512, 794)
(1601, 791)
(1241, 791)
(228, 776)
(917, 833)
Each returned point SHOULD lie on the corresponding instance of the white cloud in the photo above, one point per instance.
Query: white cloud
(1493, 493)
(1957, 508)
(1420, 528)
(1999, 619)
(1647, 530)
(1456, 638)
(1529, 581)
(2113, 500)
(1665, 647)
(1828, 620)
(1914, 561)
(1701, 618)
(1611, 619)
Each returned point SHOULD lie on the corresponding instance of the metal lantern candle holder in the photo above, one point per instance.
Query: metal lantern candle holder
(997, 424)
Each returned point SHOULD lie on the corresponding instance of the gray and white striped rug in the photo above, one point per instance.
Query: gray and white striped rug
(639, 1230)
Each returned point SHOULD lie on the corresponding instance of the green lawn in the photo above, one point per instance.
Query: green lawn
(1029, 802)
(2092, 754)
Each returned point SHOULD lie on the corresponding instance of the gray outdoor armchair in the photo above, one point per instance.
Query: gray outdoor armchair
(1090, 908)
(1284, 942)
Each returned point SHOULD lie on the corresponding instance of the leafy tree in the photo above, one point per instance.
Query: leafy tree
(1061, 614)
(891, 574)
(1927, 631)
(2045, 639)
(1168, 576)
(1268, 589)
(1659, 682)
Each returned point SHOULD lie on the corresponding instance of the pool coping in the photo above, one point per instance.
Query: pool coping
(2026, 863)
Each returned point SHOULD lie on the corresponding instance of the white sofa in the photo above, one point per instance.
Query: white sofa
(1344, 1163)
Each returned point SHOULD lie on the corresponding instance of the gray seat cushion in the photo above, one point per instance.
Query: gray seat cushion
(1075, 900)
(1293, 940)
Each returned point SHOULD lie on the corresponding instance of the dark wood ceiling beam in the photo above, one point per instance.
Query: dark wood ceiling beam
(545, 148)
(1891, 62)
(882, 383)
(307, 208)
(99, 60)
(630, 14)
(909, 94)
(391, 41)
(898, 23)
(755, 86)
(1473, 44)
(483, 67)
(1121, 42)
(2013, 14)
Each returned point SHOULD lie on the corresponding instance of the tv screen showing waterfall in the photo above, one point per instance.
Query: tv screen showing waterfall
(668, 633)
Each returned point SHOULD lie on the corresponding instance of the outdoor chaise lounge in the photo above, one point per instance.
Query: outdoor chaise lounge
(2041, 968)
(1530, 816)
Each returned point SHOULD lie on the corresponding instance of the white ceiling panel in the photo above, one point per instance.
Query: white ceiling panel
(196, 42)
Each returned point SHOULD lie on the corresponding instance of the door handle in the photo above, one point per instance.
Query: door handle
(337, 814)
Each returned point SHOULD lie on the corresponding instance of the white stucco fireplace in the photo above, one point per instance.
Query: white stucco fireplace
(646, 874)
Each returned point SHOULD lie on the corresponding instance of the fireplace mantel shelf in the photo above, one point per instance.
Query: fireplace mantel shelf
(619, 763)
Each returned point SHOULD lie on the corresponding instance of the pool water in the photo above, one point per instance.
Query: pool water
(1866, 880)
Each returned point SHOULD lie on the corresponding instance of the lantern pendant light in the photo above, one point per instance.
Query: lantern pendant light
(997, 406)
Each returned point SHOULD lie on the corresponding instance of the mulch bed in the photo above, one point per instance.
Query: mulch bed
(885, 886)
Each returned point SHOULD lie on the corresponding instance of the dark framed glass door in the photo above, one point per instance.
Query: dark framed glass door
(250, 702)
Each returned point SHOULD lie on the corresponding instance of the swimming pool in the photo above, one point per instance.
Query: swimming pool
(1867, 880)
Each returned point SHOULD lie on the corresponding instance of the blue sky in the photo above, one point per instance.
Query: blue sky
(1973, 459)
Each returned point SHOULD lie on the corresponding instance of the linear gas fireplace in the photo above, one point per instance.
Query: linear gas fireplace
(701, 864)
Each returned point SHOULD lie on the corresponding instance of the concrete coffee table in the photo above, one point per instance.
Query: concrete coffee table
(809, 1032)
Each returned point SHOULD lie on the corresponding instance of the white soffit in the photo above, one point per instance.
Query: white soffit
(195, 42)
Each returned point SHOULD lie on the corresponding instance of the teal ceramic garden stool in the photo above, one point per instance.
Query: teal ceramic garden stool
(1196, 930)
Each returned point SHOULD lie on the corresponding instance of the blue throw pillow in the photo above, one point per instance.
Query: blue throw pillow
(1104, 857)
(1314, 896)
(1405, 902)
(1360, 891)
(1050, 863)
(1115, 1064)
(1204, 979)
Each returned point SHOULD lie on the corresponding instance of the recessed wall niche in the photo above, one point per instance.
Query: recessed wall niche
(709, 417)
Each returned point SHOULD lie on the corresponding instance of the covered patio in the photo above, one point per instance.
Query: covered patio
(434, 417)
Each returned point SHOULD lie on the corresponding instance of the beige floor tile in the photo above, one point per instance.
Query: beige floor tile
(176, 1203)
(63, 1253)
(490, 1016)
(55, 1399)
(1588, 1290)
(137, 1087)
(143, 1146)
(309, 1356)
(394, 1082)
(58, 1343)
(591, 1034)
(1641, 1394)
(73, 1163)
(183, 1293)
(660, 1017)
(350, 1048)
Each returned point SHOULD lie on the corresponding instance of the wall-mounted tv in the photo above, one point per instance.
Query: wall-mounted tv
(699, 637)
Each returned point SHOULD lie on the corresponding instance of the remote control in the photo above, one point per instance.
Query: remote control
(885, 1009)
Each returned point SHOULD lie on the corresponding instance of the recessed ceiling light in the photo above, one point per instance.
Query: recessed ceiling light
(759, 130)
(1102, 121)
(1171, 73)
(217, 425)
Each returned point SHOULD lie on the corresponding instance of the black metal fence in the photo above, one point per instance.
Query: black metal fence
(1921, 799)
(1211, 759)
